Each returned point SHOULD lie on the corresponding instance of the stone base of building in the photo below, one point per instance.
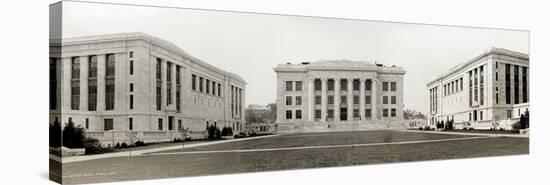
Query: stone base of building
(338, 126)
(111, 138)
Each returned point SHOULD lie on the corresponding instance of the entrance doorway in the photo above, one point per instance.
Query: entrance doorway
(343, 114)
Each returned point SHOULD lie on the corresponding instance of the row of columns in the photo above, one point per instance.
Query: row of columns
(337, 99)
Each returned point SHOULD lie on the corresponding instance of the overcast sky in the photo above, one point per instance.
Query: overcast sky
(250, 45)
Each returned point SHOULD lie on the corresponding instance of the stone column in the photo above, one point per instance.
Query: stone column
(83, 83)
(65, 85)
(323, 99)
(374, 98)
(173, 76)
(362, 99)
(350, 99)
(311, 112)
(336, 99)
(101, 67)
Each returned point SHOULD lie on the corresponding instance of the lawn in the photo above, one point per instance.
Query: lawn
(176, 165)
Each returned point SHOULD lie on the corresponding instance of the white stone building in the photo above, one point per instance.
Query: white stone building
(117, 83)
(488, 91)
(338, 95)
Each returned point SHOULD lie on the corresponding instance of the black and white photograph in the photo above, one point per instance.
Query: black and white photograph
(140, 92)
(144, 90)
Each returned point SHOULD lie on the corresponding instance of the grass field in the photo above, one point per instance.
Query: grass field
(288, 152)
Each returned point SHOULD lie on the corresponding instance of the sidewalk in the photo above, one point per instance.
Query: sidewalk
(70, 159)
(469, 134)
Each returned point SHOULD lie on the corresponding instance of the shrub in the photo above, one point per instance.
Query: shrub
(117, 145)
(92, 146)
(449, 124)
(55, 134)
(214, 132)
(139, 143)
(420, 128)
(73, 137)
(124, 145)
(227, 131)
(427, 127)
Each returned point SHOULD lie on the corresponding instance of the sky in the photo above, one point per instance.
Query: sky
(251, 45)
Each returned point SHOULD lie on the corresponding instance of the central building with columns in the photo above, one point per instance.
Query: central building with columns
(338, 95)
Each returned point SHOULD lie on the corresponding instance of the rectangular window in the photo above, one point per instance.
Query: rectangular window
(53, 83)
(193, 82)
(508, 84)
(356, 100)
(160, 124)
(385, 112)
(289, 100)
(394, 100)
(87, 124)
(298, 100)
(92, 66)
(131, 101)
(343, 85)
(385, 100)
(461, 84)
(180, 126)
(178, 88)
(330, 100)
(480, 115)
(130, 123)
(75, 94)
(509, 113)
(368, 85)
(317, 100)
(355, 113)
(481, 86)
(298, 114)
(207, 86)
(356, 85)
(110, 94)
(288, 114)
(368, 113)
(343, 100)
(317, 113)
(159, 95)
(131, 87)
(330, 113)
(393, 86)
(288, 86)
(168, 83)
(107, 124)
(131, 67)
(200, 84)
(393, 112)
(368, 99)
(75, 68)
(131, 54)
(75, 83)
(525, 87)
(219, 90)
(298, 85)
(330, 85)
(110, 82)
(384, 86)
(92, 95)
(318, 84)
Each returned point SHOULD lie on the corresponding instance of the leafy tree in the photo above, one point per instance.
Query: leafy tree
(55, 133)
(73, 136)
(214, 132)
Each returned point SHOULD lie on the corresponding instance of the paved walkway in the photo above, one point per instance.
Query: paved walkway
(469, 134)
(70, 159)
(318, 147)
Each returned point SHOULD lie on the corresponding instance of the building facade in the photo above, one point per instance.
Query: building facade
(338, 96)
(488, 91)
(132, 83)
